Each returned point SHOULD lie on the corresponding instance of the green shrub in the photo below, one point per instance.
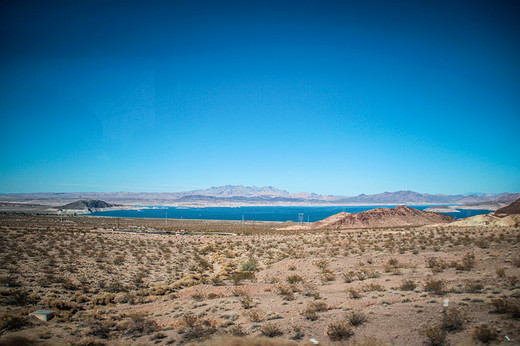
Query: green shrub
(248, 266)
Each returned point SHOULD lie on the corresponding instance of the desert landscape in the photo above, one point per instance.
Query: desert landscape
(444, 283)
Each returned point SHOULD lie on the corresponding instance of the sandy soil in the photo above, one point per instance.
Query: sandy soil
(370, 286)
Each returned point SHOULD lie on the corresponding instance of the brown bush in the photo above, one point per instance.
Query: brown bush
(339, 330)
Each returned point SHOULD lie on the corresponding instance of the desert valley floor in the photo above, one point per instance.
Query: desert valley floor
(262, 286)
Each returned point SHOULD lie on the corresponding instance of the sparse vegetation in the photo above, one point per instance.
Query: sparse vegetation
(198, 287)
(339, 330)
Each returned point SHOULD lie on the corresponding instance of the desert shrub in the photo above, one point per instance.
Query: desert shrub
(62, 305)
(454, 320)
(434, 286)
(437, 265)
(354, 294)
(472, 286)
(217, 280)
(468, 262)
(371, 287)
(124, 298)
(119, 260)
(435, 335)
(357, 318)
(311, 291)
(393, 262)
(239, 276)
(312, 309)
(321, 264)
(485, 333)
(408, 285)
(516, 261)
(141, 325)
(294, 279)
(198, 297)
(501, 272)
(9, 281)
(196, 328)
(10, 322)
(327, 275)
(339, 330)
(349, 277)
(21, 297)
(101, 329)
(271, 330)
(159, 336)
(285, 292)
(104, 299)
(236, 330)
(504, 306)
(213, 295)
(255, 315)
(249, 266)
(246, 301)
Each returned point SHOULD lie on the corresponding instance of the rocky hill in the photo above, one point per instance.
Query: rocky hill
(87, 206)
(513, 208)
(380, 217)
(488, 220)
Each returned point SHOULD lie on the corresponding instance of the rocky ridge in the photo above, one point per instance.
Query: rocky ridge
(379, 217)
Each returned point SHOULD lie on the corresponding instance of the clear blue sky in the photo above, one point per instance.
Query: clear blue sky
(332, 97)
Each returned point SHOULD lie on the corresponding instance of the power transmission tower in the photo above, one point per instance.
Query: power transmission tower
(300, 218)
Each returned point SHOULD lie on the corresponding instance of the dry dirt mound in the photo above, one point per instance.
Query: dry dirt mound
(380, 217)
(488, 220)
(513, 208)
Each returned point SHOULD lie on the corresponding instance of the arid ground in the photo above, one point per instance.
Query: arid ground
(361, 287)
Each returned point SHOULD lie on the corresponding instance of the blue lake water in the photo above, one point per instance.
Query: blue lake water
(310, 214)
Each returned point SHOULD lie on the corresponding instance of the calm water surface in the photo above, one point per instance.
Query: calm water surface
(310, 214)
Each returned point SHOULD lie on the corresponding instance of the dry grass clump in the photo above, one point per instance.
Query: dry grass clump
(312, 309)
(408, 285)
(12, 322)
(454, 320)
(435, 335)
(294, 279)
(246, 301)
(271, 330)
(473, 286)
(435, 286)
(354, 294)
(339, 330)
(485, 333)
(286, 292)
(505, 306)
(195, 328)
(357, 318)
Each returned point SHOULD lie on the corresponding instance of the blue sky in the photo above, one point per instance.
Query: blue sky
(332, 97)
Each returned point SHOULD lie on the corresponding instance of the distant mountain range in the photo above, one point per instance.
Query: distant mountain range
(238, 195)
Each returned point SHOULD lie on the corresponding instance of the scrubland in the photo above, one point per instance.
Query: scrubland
(263, 286)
